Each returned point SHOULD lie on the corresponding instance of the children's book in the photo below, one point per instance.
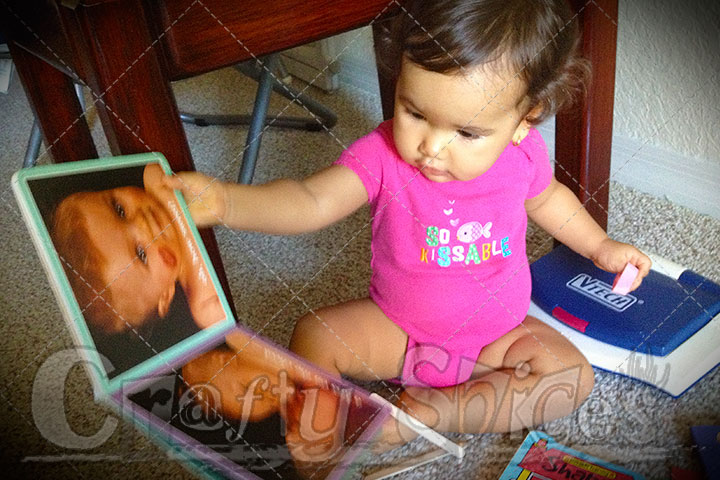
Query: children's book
(541, 457)
(129, 270)
(249, 409)
(158, 338)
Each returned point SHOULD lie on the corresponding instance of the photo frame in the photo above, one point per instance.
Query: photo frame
(117, 342)
(294, 421)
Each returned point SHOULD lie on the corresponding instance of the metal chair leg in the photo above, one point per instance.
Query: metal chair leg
(80, 95)
(33, 148)
(267, 82)
(326, 117)
(252, 145)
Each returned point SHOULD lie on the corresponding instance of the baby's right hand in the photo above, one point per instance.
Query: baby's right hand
(205, 196)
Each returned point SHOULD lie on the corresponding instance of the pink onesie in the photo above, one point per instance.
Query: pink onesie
(448, 259)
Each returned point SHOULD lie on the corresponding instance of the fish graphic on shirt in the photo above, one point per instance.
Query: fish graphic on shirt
(472, 231)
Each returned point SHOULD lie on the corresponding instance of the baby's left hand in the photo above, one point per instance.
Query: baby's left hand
(612, 256)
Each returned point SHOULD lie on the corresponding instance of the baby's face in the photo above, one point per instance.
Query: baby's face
(141, 247)
(456, 126)
(237, 386)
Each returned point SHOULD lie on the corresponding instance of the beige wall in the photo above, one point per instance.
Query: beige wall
(666, 138)
(667, 85)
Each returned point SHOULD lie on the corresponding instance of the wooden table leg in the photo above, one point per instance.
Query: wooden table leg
(52, 98)
(134, 99)
(583, 134)
(122, 61)
(386, 81)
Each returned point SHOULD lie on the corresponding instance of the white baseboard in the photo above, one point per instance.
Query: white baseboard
(680, 179)
(314, 62)
(360, 74)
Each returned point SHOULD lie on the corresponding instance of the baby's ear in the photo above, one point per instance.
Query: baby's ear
(535, 112)
(165, 300)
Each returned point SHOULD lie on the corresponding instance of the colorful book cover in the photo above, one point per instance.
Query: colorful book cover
(541, 457)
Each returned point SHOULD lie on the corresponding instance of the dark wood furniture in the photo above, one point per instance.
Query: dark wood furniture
(583, 133)
(128, 52)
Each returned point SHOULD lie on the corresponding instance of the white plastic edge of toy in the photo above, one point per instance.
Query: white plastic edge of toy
(421, 429)
(686, 365)
(666, 267)
(410, 464)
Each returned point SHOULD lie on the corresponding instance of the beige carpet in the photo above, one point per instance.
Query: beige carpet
(623, 421)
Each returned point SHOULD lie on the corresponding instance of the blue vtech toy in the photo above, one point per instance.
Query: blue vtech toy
(666, 333)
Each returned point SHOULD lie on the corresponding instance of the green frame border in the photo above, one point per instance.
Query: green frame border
(164, 361)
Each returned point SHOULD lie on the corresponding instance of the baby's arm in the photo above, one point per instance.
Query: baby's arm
(279, 207)
(558, 211)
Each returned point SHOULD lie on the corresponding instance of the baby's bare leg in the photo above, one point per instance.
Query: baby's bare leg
(530, 376)
(354, 338)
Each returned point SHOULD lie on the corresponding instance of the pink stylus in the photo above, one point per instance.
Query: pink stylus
(624, 280)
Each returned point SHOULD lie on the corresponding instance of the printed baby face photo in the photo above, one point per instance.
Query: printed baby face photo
(262, 411)
(131, 260)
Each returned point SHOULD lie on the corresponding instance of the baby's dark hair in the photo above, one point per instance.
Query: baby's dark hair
(536, 40)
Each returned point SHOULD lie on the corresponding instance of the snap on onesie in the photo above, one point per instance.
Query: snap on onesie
(448, 259)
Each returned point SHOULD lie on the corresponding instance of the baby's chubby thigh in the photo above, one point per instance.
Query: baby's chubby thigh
(535, 354)
(353, 338)
(531, 342)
